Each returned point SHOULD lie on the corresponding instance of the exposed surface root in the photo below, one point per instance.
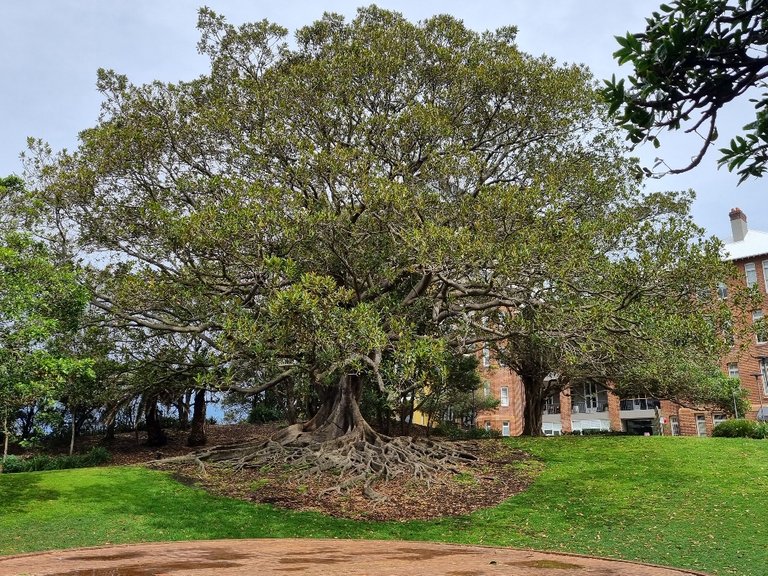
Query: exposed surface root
(353, 459)
(458, 479)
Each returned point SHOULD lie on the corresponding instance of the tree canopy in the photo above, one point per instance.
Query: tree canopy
(694, 58)
(353, 212)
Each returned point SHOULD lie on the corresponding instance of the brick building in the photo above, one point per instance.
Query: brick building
(749, 253)
(594, 407)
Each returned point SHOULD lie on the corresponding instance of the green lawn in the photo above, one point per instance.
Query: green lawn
(696, 503)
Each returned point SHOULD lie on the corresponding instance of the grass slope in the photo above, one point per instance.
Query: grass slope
(694, 503)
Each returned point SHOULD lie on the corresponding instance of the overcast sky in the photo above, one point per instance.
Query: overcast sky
(50, 51)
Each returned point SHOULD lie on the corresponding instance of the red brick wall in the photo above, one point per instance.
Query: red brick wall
(746, 351)
(499, 376)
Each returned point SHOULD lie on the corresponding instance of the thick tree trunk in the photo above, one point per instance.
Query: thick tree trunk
(338, 441)
(534, 405)
(197, 436)
(109, 433)
(339, 416)
(155, 434)
(27, 423)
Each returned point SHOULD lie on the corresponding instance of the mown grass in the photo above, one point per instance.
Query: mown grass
(693, 503)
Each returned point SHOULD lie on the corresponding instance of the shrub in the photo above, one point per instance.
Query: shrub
(761, 430)
(97, 455)
(12, 464)
(739, 428)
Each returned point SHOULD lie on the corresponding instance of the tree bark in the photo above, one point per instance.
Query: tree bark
(72, 436)
(182, 406)
(197, 436)
(534, 405)
(339, 416)
(6, 434)
(109, 433)
(155, 434)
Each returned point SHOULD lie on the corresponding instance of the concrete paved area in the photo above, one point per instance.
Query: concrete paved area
(315, 557)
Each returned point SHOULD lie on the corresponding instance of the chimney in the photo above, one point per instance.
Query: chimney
(738, 224)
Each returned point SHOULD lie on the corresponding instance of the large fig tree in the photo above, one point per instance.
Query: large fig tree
(338, 212)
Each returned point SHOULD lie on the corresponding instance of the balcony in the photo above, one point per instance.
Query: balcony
(588, 408)
(552, 409)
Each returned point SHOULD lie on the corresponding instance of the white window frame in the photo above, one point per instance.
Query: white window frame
(718, 419)
(757, 315)
(674, 425)
(486, 356)
(487, 425)
(764, 373)
(765, 274)
(701, 419)
(722, 290)
(505, 429)
(750, 273)
(486, 389)
(733, 370)
(504, 395)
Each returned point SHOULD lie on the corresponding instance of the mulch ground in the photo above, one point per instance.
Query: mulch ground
(270, 557)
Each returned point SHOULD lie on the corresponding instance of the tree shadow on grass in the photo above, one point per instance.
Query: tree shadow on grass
(19, 491)
(172, 510)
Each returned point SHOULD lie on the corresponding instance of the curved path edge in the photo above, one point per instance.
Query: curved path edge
(315, 557)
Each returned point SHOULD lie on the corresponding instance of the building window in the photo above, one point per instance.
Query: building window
(765, 274)
(486, 356)
(760, 329)
(718, 419)
(486, 389)
(504, 396)
(505, 428)
(733, 370)
(764, 374)
(674, 425)
(701, 425)
(487, 425)
(722, 290)
(639, 403)
(751, 273)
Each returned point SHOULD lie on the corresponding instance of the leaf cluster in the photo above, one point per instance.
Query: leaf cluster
(695, 57)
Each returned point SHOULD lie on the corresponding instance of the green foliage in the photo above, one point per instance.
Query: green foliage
(261, 413)
(41, 300)
(740, 428)
(440, 190)
(694, 57)
(95, 457)
(355, 228)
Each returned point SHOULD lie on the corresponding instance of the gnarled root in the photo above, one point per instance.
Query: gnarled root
(358, 458)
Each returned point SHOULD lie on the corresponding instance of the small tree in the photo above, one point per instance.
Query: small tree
(38, 300)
